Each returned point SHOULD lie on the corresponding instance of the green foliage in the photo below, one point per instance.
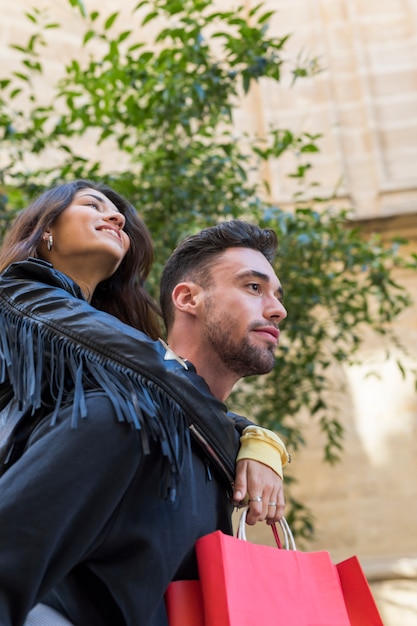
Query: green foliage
(161, 113)
(336, 284)
(166, 108)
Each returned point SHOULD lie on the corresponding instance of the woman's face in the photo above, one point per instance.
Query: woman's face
(88, 240)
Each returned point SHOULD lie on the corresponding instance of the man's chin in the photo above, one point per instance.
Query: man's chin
(261, 366)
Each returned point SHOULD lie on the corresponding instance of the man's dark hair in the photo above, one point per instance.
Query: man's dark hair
(195, 255)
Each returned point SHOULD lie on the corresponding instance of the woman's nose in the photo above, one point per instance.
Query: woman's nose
(117, 218)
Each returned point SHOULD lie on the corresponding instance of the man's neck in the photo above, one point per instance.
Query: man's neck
(218, 378)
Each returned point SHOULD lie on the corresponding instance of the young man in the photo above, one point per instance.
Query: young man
(222, 305)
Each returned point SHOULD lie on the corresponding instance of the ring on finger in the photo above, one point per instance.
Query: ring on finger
(273, 503)
(255, 499)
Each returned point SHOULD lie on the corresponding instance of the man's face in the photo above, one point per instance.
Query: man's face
(243, 309)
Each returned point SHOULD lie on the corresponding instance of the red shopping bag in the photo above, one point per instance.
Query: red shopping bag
(359, 601)
(184, 603)
(245, 584)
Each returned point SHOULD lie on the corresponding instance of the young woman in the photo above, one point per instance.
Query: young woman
(103, 492)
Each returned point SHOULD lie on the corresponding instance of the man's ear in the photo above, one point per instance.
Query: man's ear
(187, 297)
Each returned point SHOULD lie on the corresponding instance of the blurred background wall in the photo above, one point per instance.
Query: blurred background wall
(364, 102)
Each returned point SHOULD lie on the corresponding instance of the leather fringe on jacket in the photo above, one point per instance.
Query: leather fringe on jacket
(54, 346)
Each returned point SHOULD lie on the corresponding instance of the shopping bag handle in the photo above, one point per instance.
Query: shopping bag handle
(289, 543)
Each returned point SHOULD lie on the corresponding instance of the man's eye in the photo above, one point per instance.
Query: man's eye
(255, 287)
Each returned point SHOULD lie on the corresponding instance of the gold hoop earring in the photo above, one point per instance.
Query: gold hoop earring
(50, 242)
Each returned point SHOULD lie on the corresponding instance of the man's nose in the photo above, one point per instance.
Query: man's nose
(277, 311)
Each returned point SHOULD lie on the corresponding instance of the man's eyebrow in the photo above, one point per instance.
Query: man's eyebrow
(260, 276)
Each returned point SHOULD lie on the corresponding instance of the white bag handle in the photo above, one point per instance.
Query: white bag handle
(286, 530)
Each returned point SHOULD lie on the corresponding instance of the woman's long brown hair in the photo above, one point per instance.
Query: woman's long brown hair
(123, 294)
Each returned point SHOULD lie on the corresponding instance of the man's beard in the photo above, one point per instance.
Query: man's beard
(240, 357)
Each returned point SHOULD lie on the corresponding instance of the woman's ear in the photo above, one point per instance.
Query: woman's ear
(187, 297)
(48, 239)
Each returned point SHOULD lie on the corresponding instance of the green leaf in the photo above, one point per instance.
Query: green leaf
(135, 46)
(255, 9)
(15, 92)
(79, 4)
(145, 57)
(88, 35)
(141, 4)
(246, 79)
(124, 35)
(31, 17)
(309, 147)
(22, 76)
(110, 20)
(265, 17)
(149, 17)
(18, 48)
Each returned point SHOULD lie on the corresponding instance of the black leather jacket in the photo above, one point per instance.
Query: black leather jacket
(82, 527)
(47, 329)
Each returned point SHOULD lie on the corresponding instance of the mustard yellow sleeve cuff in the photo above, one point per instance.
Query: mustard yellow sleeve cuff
(259, 444)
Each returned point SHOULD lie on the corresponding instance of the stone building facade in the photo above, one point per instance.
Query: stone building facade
(364, 102)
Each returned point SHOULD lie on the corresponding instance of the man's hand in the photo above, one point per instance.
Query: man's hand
(264, 489)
